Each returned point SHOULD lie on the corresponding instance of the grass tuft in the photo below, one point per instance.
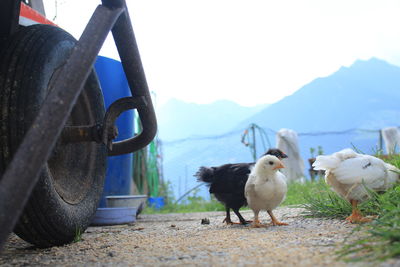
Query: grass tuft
(321, 202)
(78, 235)
(382, 236)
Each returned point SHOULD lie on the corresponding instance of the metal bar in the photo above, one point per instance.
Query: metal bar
(22, 174)
(85, 133)
(9, 17)
(113, 111)
(102, 133)
(129, 53)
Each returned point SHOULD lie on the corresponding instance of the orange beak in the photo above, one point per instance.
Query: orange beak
(280, 166)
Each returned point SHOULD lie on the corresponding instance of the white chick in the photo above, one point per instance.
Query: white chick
(266, 188)
(349, 173)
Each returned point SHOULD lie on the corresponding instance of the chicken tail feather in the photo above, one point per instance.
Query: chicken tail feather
(205, 174)
(326, 162)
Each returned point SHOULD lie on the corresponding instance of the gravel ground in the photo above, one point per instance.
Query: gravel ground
(181, 239)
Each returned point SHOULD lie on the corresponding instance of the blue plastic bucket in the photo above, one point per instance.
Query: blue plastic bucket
(156, 202)
(119, 168)
(113, 216)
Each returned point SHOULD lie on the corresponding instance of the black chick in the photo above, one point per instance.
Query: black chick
(227, 183)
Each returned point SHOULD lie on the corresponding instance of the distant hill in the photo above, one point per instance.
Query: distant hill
(364, 96)
(178, 119)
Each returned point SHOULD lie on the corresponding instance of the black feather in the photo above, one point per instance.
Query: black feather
(276, 152)
(205, 174)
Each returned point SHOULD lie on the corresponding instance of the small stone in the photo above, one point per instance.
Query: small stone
(205, 221)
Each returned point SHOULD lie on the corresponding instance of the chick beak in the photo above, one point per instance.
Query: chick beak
(279, 166)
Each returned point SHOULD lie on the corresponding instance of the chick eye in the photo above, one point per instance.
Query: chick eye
(271, 163)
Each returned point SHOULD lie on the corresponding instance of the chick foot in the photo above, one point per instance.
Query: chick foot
(274, 220)
(279, 223)
(257, 224)
(356, 216)
(229, 222)
(245, 222)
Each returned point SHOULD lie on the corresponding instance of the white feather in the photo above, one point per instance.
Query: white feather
(333, 161)
(326, 163)
(363, 168)
(266, 187)
(349, 173)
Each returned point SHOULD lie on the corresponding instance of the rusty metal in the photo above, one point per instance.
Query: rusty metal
(22, 173)
(130, 58)
(113, 111)
(9, 17)
(107, 132)
(76, 134)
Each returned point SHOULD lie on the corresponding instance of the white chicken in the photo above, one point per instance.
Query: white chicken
(349, 174)
(266, 188)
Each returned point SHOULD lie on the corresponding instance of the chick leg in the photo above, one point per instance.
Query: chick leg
(356, 216)
(227, 219)
(274, 220)
(242, 220)
(256, 222)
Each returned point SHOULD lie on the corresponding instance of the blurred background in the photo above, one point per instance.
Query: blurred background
(227, 76)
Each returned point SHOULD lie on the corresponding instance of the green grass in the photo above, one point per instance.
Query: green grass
(322, 202)
(382, 236)
(295, 196)
(78, 235)
(298, 192)
(192, 204)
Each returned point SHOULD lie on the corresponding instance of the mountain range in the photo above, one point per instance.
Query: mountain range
(344, 109)
(179, 120)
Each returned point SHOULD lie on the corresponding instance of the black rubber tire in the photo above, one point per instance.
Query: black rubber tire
(71, 182)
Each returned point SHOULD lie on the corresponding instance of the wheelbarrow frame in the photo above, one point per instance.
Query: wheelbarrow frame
(21, 175)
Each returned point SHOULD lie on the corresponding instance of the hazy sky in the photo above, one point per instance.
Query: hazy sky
(249, 51)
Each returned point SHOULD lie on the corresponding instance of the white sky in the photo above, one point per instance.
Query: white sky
(248, 51)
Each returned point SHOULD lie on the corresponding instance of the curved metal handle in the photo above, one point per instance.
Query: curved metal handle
(109, 132)
(125, 41)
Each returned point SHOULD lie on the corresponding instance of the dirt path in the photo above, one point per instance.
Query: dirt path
(181, 239)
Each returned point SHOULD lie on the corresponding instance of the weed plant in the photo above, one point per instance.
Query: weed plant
(321, 201)
(382, 236)
(78, 235)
